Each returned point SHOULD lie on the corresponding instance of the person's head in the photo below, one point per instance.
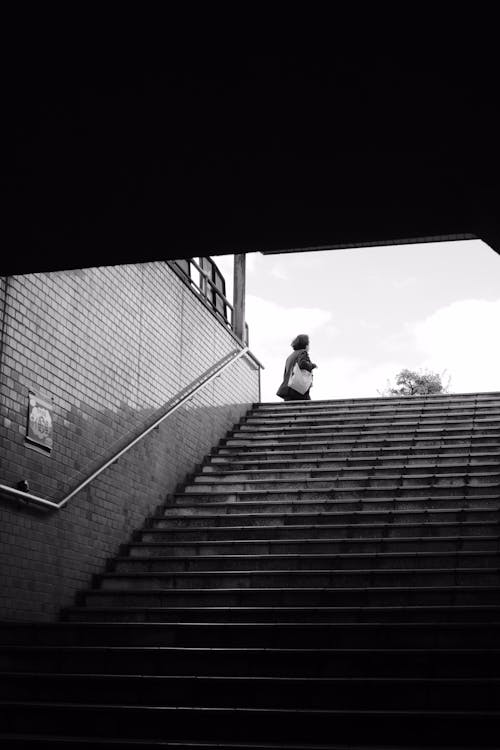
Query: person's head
(301, 341)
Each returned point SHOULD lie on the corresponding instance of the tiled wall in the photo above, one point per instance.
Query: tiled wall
(107, 347)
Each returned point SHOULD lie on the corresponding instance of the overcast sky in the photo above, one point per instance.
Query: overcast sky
(370, 312)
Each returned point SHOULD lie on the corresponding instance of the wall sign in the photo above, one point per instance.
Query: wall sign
(39, 429)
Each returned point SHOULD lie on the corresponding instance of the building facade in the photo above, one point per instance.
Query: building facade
(90, 358)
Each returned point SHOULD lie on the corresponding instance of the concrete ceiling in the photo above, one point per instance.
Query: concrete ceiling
(203, 155)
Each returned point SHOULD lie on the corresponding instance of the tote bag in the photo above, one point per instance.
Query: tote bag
(300, 380)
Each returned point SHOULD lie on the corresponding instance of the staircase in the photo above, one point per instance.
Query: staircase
(329, 578)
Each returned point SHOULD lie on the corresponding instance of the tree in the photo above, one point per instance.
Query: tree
(412, 383)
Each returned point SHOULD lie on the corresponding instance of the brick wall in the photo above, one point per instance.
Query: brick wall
(107, 347)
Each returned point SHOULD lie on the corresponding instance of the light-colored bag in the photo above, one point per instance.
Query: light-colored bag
(300, 380)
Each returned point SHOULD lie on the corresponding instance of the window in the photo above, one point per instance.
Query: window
(204, 277)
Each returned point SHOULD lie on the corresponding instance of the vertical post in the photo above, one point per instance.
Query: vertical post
(239, 296)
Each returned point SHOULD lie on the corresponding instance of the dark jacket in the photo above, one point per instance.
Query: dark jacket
(302, 357)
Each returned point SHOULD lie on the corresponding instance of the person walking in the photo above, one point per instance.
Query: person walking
(299, 357)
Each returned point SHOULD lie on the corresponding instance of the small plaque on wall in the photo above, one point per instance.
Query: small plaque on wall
(39, 430)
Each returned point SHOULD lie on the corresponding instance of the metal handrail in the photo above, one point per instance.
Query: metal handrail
(49, 504)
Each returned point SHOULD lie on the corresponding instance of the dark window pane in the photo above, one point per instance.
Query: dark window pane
(206, 265)
(220, 283)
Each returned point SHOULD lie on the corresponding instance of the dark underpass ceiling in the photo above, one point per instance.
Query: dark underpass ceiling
(180, 155)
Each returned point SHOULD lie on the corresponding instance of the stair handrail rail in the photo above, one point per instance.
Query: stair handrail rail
(49, 504)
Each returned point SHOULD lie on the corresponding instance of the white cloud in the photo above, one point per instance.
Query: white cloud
(351, 377)
(225, 264)
(274, 325)
(254, 261)
(272, 328)
(405, 282)
(462, 339)
(278, 272)
(369, 325)
(401, 340)
(358, 350)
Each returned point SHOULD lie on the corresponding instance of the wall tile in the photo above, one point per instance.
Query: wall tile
(108, 347)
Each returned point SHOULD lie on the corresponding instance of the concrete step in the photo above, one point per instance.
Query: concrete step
(393, 405)
(312, 578)
(329, 575)
(322, 468)
(442, 410)
(261, 502)
(47, 742)
(447, 401)
(365, 425)
(253, 509)
(252, 725)
(410, 594)
(411, 497)
(316, 411)
(352, 693)
(370, 438)
(220, 634)
(368, 614)
(346, 479)
(363, 417)
(332, 545)
(346, 432)
(305, 561)
(417, 426)
(275, 469)
(443, 401)
(360, 524)
(363, 442)
(352, 450)
(255, 661)
(369, 417)
(347, 471)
